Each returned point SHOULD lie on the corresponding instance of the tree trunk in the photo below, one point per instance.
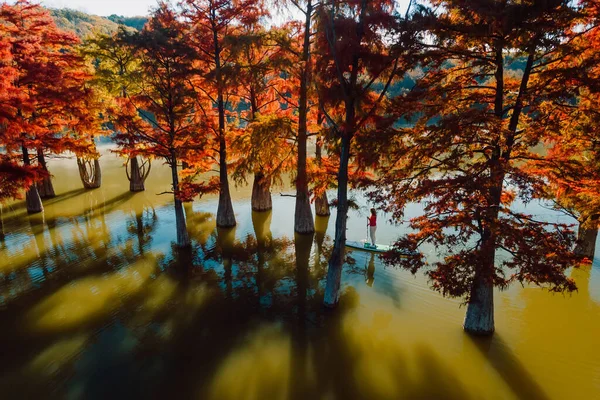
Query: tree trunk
(303, 218)
(479, 319)
(90, 173)
(32, 196)
(336, 262)
(321, 201)
(586, 236)
(225, 214)
(2, 236)
(45, 187)
(136, 177)
(183, 239)
(261, 193)
(322, 205)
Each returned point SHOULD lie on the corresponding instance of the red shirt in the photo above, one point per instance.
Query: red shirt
(373, 220)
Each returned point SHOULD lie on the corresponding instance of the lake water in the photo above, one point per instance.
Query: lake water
(95, 303)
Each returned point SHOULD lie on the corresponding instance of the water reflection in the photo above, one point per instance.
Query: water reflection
(370, 271)
(97, 303)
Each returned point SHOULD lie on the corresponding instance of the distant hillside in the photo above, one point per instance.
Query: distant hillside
(132, 22)
(85, 24)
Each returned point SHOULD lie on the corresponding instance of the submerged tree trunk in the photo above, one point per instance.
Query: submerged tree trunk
(32, 196)
(321, 201)
(322, 205)
(225, 214)
(336, 262)
(183, 239)
(90, 173)
(137, 174)
(303, 218)
(479, 319)
(586, 236)
(45, 187)
(261, 193)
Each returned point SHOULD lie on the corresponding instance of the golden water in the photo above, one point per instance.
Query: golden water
(95, 303)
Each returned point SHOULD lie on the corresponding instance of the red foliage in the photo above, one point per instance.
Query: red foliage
(45, 104)
(475, 125)
(571, 166)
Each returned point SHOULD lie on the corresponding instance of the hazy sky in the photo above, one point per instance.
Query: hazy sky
(105, 7)
(119, 7)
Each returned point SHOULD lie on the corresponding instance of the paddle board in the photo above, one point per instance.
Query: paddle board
(380, 248)
(366, 246)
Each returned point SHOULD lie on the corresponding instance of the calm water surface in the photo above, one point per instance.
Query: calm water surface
(96, 303)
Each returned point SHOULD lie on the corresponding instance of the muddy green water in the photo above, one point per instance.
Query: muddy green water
(95, 303)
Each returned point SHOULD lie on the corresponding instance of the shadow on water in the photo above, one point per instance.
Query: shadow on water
(230, 317)
(508, 366)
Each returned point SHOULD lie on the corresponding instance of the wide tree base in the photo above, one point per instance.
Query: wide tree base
(479, 319)
(183, 238)
(322, 206)
(137, 174)
(45, 188)
(225, 214)
(586, 238)
(303, 218)
(90, 173)
(261, 194)
(33, 201)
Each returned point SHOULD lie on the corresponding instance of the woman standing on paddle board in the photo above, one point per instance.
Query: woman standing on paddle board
(372, 221)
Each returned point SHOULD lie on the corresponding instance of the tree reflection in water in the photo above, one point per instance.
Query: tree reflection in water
(99, 313)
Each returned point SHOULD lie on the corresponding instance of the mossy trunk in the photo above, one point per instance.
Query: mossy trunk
(183, 239)
(303, 219)
(225, 214)
(32, 196)
(261, 193)
(136, 176)
(45, 187)
(336, 261)
(587, 235)
(322, 205)
(90, 173)
(479, 319)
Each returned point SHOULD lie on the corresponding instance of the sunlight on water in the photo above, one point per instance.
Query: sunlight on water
(53, 358)
(96, 303)
(88, 299)
(259, 369)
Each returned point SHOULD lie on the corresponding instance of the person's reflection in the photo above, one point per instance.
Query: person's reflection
(370, 277)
